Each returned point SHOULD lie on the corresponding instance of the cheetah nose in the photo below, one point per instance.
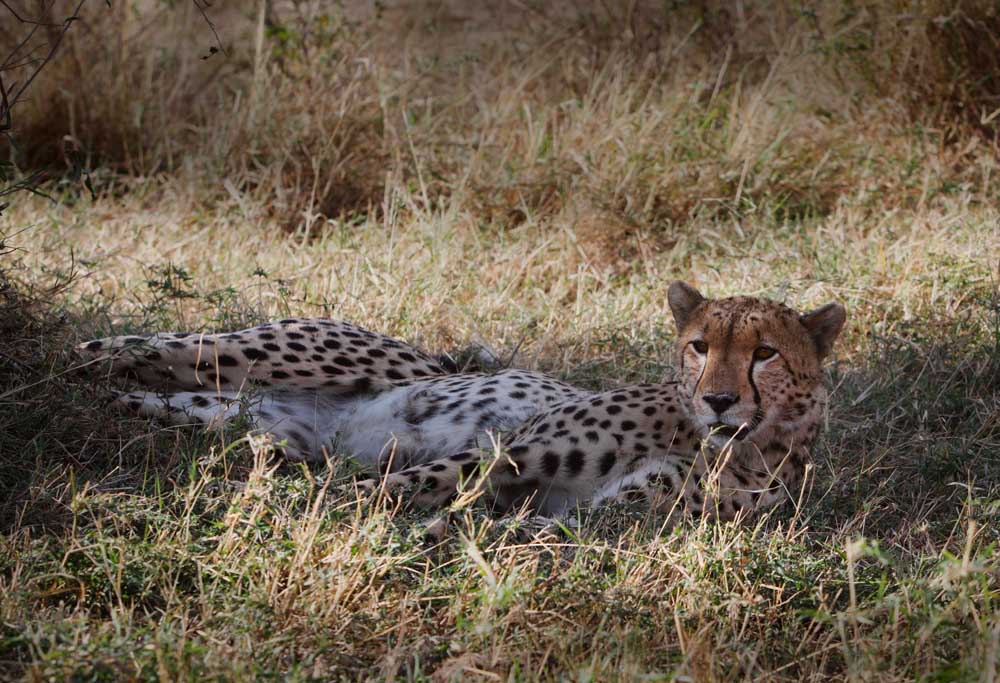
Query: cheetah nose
(720, 402)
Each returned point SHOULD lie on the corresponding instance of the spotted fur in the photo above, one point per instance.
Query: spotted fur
(299, 353)
(731, 437)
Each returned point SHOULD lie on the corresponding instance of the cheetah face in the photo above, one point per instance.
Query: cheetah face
(751, 367)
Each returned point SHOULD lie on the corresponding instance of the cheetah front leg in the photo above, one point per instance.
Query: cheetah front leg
(671, 486)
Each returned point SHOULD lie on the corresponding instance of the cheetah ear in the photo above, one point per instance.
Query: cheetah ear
(824, 325)
(683, 299)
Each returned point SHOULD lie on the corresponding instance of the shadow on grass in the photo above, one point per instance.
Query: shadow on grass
(914, 433)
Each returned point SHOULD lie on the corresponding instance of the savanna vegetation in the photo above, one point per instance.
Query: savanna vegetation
(529, 176)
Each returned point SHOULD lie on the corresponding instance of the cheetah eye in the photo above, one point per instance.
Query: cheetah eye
(763, 353)
(700, 346)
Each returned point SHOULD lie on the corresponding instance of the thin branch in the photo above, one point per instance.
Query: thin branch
(5, 119)
(10, 94)
(17, 49)
(211, 25)
(55, 46)
(22, 19)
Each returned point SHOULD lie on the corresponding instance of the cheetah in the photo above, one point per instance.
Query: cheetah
(730, 437)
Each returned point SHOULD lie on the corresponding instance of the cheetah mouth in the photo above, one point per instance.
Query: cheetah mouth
(728, 431)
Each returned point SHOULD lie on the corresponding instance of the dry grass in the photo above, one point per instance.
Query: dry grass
(531, 176)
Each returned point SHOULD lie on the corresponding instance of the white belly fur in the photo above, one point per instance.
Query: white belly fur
(374, 428)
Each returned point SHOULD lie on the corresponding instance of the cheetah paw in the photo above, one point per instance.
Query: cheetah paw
(359, 488)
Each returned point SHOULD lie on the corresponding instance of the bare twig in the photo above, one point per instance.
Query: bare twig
(26, 55)
(67, 22)
(22, 19)
(201, 5)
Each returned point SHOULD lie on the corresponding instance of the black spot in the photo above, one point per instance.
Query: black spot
(304, 373)
(608, 461)
(296, 346)
(550, 464)
(592, 437)
(408, 357)
(331, 344)
(279, 374)
(394, 374)
(574, 462)
(290, 358)
(468, 469)
(628, 425)
(175, 344)
(614, 410)
(344, 360)
(376, 353)
(649, 410)
(228, 361)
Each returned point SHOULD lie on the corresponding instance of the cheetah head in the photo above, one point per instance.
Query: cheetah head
(751, 367)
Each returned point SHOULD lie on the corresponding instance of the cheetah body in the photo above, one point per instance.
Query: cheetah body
(731, 435)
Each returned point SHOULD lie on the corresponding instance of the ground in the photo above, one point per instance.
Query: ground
(530, 177)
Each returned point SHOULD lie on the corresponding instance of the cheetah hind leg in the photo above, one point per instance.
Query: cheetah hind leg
(293, 436)
(298, 353)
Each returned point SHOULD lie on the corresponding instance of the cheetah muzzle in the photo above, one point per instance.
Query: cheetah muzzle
(731, 437)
